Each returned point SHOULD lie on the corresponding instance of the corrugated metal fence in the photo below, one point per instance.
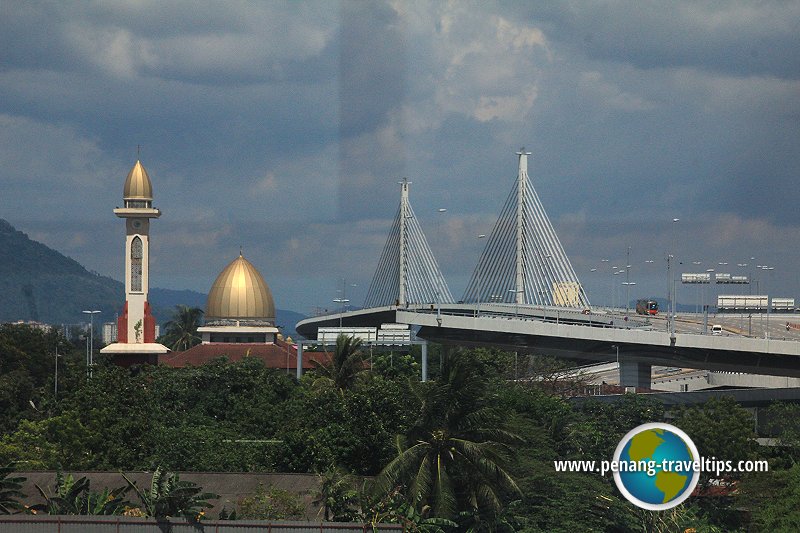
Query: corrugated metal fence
(124, 524)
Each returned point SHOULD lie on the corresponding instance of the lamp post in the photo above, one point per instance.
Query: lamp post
(55, 386)
(627, 281)
(628, 295)
(90, 354)
(671, 283)
(705, 306)
(343, 299)
(769, 270)
(614, 300)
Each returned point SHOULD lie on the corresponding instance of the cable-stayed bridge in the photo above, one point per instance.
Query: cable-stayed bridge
(525, 295)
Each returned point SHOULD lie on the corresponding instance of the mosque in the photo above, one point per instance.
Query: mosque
(239, 314)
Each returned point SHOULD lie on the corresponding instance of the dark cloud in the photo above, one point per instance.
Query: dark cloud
(284, 128)
(737, 38)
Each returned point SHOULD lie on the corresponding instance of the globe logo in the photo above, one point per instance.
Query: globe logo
(657, 466)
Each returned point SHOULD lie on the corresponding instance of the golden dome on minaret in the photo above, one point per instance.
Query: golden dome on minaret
(138, 186)
(240, 293)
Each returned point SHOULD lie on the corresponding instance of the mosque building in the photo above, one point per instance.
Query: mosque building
(239, 314)
(239, 323)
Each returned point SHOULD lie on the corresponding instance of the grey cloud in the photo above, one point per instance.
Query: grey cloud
(737, 38)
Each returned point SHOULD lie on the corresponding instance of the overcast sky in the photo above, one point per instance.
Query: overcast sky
(283, 128)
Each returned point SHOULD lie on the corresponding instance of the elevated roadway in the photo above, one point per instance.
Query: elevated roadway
(635, 343)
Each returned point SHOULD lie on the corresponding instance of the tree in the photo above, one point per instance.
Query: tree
(721, 429)
(771, 497)
(181, 332)
(169, 496)
(10, 490)
(454, 458)
(345, 363)
(336, 495)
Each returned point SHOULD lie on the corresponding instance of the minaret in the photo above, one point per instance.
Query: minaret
(136, 336)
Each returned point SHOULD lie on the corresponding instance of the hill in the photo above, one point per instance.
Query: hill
(39, 283)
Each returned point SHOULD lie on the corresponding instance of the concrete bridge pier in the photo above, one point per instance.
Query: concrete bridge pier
(425, 361)
(635, 374)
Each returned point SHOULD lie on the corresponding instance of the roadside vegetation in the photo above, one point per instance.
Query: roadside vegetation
(472, 450)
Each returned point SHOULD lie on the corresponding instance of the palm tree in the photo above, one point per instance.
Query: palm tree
(181, 332)
(452, 459)
(169, 496)
(10, 490)
(345, 364)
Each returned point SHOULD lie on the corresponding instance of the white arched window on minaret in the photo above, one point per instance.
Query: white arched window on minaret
(136, 265)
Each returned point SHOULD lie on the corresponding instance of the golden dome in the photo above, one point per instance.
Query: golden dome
(240, 293)
(138, 186)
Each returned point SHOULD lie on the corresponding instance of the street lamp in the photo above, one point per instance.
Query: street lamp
(55, 386)
(90, 353)
(671, 284)
(769, 270)
(628, 295)
(614, 288)
(709, 271)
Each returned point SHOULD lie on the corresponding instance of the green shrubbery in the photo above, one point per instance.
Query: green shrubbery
(474, 447)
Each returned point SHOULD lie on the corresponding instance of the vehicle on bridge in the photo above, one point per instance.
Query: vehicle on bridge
(646, 307)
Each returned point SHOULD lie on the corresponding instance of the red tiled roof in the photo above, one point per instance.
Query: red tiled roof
(277, 355)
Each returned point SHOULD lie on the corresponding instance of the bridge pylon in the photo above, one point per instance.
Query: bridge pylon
(523, 261)
(407, 271)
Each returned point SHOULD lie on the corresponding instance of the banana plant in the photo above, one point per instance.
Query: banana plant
(168, 496)
(10, 490)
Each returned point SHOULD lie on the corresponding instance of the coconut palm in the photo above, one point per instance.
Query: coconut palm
(452, 459)
(345, 364)
(181, 332)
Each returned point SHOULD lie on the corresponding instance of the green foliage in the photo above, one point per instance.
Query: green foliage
(772, 499)
(720, 428)
(181, 331)
(599, 426)
(72, 496)
(10, 490)
(461, 429)
(50, 443)
(454, 459)
(336, 495)
(168, 496)
(345, 364)
(271, 504)
(783, 421)
(396, 366)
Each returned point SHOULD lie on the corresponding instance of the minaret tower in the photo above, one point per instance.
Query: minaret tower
(136, 335)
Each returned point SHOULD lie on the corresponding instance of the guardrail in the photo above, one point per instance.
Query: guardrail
(126, 524)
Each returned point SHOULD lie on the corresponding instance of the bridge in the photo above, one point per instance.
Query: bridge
(524, 296)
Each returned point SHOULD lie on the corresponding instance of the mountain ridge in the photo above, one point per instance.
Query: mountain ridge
(38, 283)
